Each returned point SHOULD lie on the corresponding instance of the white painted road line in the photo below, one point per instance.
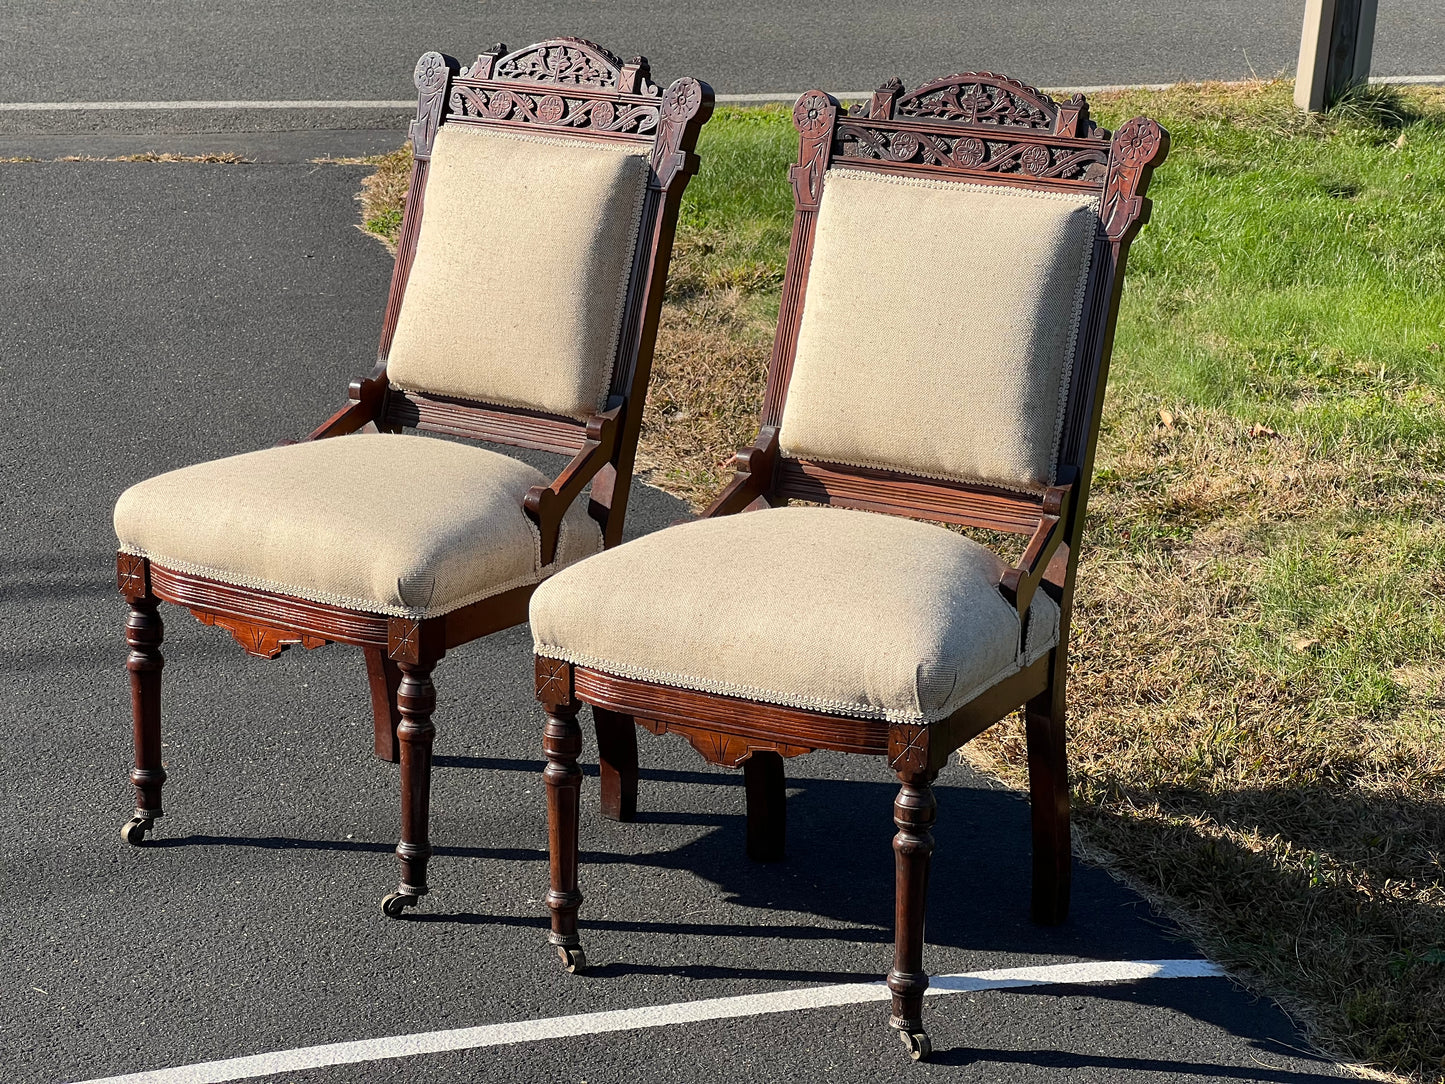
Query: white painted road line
(655, 1016)
(722, 99)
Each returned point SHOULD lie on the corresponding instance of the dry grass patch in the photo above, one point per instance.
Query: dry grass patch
(225, 158)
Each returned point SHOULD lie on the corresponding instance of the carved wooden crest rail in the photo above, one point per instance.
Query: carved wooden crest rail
(978, 122)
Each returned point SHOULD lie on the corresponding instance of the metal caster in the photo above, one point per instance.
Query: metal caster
(397, 902)
(134, 830)
(918, 1044)
(573, 959)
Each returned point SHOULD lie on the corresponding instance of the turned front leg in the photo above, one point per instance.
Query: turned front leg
(914, 812)
(145, 632)
(416, 700)
(562, 742)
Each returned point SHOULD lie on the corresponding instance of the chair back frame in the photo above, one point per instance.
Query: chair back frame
(569, 88)
(977, 128)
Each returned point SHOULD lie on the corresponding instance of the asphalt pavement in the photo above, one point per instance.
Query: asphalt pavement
(152, 315)
(175, 50)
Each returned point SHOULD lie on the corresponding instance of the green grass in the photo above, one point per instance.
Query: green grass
(1258, 654)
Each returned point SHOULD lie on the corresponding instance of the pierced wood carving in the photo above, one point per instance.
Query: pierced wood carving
(552, 109)
(561, 83)
(564, 61)
(981, 98)
(262, 641)
(978, 122)
(1071, 160)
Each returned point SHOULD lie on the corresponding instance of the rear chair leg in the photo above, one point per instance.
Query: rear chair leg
(416, 700)
(1049, 800)
(144, 632)
(562, 742)
(767, 805)
(914, 811)
(384, 677)
(617, 761)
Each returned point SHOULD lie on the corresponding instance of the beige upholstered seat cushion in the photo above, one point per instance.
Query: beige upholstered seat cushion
(390, 524)
(939, 328)
(517, 290)
(852, 613)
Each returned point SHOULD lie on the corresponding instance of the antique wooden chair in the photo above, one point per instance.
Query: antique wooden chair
(946, 322)
(523, 310)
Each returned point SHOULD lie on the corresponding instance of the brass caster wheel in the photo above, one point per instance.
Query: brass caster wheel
(918, 1044)
(134, 830)
(573, 959)
(397, 902)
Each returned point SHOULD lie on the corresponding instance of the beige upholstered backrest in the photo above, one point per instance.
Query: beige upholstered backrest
(518, 286)
(939, 328)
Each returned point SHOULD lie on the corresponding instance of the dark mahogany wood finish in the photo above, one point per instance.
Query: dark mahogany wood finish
(570, 89)
(979, 128)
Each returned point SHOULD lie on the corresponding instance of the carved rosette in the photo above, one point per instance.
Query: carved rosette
(499, 106)
(1137, 148)
(811, 114)
(431, 75)
(682, 100)
(1035, 160)
(969, 153)
(1137, 141)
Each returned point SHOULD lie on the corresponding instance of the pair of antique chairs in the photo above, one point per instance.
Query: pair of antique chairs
(945, 327)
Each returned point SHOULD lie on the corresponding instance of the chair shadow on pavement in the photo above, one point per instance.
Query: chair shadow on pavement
(1067, 1059)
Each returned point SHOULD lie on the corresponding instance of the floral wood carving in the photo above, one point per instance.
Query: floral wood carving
(261, 641)
(972, 152)
(813, 117)
(680, 104)
(563, 61)
(555, 110)
(1136, 149)
(431, 75)
(980, 98)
